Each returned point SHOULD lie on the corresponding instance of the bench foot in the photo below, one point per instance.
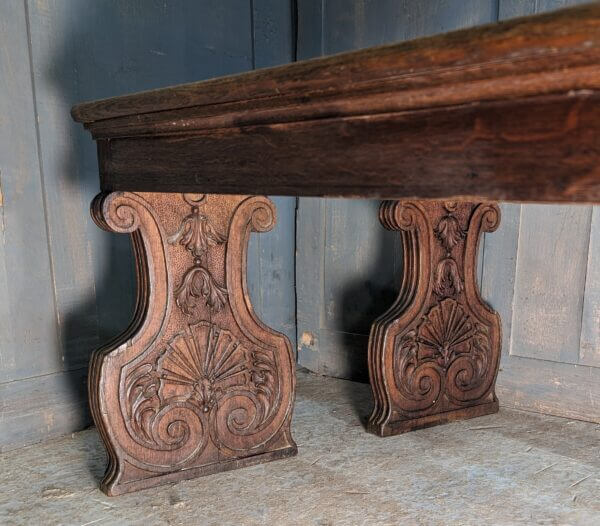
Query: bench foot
(434, 355)
(197, 384)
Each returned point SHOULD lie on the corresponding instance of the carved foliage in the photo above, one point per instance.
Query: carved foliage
(172, 399)
(194, 372)
(197, 235)
(447, 280)
(442, 359)
(425, 356)
(448, 230)
(198, 284)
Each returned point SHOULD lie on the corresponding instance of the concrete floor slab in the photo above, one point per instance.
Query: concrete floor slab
(510, 468)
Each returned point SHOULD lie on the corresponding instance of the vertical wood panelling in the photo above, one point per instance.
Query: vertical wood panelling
(82, 50)
(27, 317)
(538, 275)
(347, 264)
(310, 232)
(550, 282)
(499, 270)
(590, 326)
(272, 274)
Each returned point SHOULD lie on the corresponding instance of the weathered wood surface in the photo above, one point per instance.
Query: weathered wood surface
(487, 113)
(197, 384)
(496, 150)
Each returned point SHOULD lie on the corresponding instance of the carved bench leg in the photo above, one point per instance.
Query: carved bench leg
(197, 384)
(434, 355)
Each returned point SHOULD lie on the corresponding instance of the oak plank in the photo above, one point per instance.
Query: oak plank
(541, 149)
(498, 51)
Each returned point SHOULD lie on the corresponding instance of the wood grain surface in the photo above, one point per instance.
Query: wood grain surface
(434, 354)
(197, 384)
(501, 112)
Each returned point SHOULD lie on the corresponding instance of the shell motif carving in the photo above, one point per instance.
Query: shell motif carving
(425, 358)
(196, 371)
(433, 356)
(175, 399)
(446, 332)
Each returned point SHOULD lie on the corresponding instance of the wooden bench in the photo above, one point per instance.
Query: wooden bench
(440, 127)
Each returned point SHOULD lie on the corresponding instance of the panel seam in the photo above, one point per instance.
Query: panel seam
(41, 171)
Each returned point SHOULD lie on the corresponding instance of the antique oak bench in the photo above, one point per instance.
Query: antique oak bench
(439, 127)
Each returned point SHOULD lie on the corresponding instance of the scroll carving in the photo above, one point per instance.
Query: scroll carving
(434, 355)
(197, 384)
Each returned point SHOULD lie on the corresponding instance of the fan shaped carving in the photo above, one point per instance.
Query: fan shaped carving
(195, 370)
(445, 332)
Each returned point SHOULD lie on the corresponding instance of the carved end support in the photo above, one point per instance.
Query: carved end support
(197, 384)
(434, 355)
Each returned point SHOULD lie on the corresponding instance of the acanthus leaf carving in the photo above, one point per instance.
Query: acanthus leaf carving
(434, 354)
(449, 232)
(447, 281)
(175, 399)
(194, 371)
(198, 283)
(196, 234)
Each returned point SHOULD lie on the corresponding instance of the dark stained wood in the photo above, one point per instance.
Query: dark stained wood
(197, 384)
(542, 149)
(434, 355)
(486, 113)
(486, 62)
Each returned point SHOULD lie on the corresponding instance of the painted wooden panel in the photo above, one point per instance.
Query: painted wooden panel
(539, 274)
(65, 285)
(590, 322)
(550, 282)
(347, 265)
(27, 314)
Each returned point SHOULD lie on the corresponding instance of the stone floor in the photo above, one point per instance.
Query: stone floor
(510, 468)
